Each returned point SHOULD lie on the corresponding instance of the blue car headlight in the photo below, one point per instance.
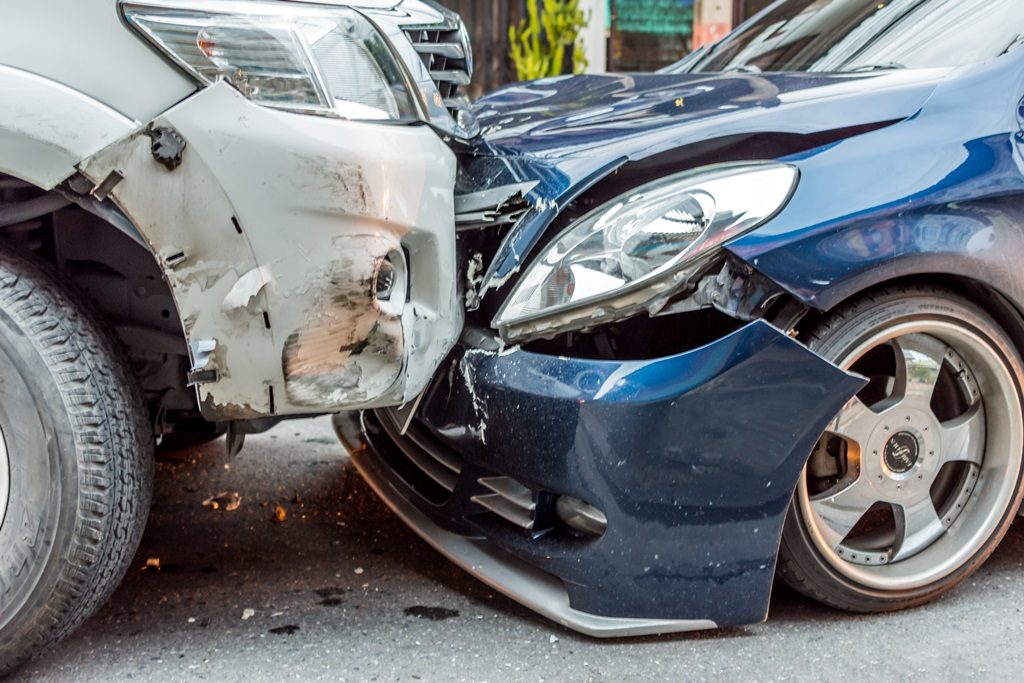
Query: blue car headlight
(640, 248)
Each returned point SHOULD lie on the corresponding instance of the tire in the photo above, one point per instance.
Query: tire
(938, 432)
(76, 460)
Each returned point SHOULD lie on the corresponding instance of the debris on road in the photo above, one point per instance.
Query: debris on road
(431, 613)
(248, 614)
(152, 564)
(280, 514)
(229, 501)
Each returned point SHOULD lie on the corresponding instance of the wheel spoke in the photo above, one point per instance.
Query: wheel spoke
(963, 438)
(840, 510)
(855, 422)
(918, 363)
(917, 527)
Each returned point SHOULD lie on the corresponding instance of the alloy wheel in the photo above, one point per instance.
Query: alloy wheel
(915, 473)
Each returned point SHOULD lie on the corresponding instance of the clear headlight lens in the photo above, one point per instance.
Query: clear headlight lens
(645, 239)
(313, 60)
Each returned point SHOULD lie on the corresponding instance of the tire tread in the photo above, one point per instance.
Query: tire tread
(113, 443)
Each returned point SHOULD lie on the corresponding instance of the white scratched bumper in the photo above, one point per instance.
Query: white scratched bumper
(271, 233)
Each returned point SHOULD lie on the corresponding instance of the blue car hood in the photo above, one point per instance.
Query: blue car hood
(554, 139)
(632, 113)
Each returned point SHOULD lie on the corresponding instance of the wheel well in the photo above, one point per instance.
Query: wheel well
(1005, 312)
(119, 275)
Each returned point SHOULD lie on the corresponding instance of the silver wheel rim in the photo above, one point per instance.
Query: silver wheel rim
(896, 450)
(5, 478)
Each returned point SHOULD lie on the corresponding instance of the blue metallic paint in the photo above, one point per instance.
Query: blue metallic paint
(940, 193)
(693, 458)
(571, 133)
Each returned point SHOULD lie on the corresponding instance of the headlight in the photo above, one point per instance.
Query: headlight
(637, 250)
(313, 60)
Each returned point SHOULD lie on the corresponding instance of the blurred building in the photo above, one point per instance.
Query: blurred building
(645, 35)
(624, 35)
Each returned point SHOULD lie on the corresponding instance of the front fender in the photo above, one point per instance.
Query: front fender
(46, 128)
(939, 194)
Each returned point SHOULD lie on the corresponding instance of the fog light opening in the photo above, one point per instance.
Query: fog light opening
(390, 283)
(581, 517)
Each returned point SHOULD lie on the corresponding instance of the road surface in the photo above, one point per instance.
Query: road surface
(341, 591)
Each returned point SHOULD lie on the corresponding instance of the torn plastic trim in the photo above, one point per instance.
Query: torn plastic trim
(741, 292)
(76, 189)
(492, 207)
(721, 281)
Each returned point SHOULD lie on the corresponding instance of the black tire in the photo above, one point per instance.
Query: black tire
(80, 460)
(802, 564)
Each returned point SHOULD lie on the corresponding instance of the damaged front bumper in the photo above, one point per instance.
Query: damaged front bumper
(690, 461)
(310, 258)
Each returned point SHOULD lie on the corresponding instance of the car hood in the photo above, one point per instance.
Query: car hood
(549, 141)
(585, 115)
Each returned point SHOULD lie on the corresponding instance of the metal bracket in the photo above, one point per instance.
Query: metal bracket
(202, 356)
(103, 190)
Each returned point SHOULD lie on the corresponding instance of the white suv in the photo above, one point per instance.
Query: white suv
(215, 214)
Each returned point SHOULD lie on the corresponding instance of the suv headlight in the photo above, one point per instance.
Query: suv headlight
(634, 252)
(314, 60)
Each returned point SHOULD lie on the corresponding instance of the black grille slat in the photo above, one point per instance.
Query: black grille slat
(426, 465)
(446, 57)
(509, 500)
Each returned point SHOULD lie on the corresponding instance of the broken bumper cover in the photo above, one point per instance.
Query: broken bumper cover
(692, 459)
(310, 258)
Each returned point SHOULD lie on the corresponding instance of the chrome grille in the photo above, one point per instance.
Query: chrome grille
(510, 500)
(446, 52)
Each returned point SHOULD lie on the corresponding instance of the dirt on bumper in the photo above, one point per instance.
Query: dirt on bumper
(692, 459)
(271, 229)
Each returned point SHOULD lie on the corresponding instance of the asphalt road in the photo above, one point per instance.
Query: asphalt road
(341, 591)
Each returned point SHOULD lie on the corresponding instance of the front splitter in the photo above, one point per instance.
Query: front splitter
(515, 579)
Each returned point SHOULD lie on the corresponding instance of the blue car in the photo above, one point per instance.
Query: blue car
(758, 315)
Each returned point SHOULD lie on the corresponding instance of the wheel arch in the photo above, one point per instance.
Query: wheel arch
(990, 298)
(47, 128)
(99, 252)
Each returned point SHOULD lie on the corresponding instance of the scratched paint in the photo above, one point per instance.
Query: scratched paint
(270, 234)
